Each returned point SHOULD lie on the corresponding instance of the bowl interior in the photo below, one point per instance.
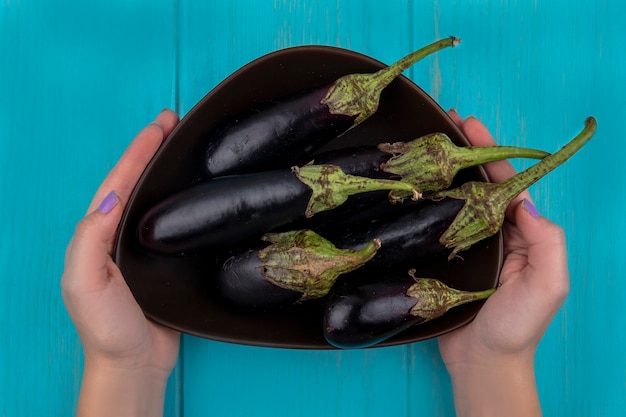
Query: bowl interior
(176, 291)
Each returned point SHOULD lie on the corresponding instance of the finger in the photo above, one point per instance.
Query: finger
(90, 249)
(478, 135)
(125, 174)
(456, 118)
(168, 120)
(547, 275)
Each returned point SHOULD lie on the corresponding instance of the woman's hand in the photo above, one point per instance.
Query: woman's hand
(491, 360)
(124, 351)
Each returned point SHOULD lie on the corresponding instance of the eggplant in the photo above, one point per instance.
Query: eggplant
(408, 232)
(287, 131)
(226, 210)
(284, 269)
(362, 313)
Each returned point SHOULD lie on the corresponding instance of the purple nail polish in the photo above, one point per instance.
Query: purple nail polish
(530, 208)
(108, 203)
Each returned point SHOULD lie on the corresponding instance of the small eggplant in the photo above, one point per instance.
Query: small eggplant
(361, 314)
(287, 131)
(226, 210)
(286, 268)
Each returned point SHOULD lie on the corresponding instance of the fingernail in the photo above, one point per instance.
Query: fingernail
(530, 208)
(453, 110)
(108, 203)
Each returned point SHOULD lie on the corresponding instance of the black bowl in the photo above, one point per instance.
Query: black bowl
(176, 291)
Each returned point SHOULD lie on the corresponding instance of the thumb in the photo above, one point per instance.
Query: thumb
(547, 273)
(89, 252)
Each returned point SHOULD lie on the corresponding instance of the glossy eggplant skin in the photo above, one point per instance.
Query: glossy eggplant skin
(240, 283)
(361, 312)
(408, 232)
(278, 135)
(365, 161)
(223, 211)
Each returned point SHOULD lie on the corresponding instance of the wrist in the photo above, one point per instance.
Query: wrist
(504, 385)
(111, 390)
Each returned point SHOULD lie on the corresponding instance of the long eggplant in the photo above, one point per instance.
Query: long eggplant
(226, 210)
(361, 313)
(286, 268)
(287, 131)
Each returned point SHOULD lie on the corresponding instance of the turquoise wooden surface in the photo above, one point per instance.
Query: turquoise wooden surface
(79, 79)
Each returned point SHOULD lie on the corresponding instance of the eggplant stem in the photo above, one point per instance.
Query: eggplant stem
(513, 186)
(385, 76)
(358, 94)
(303, 261)
(434, 298)
(431, 162)
(478, 155)
(485, 204)
(331, 187)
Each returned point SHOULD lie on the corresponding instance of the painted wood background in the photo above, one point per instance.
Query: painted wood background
(78, 79)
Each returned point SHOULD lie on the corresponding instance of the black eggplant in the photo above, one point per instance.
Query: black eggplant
(361, 313)
(408, 232)
(227, 210)
(287, 131)
(284, 269)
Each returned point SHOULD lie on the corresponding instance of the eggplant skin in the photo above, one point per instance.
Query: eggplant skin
(364, 161)
(280, 134)
(222, 212)
(361, 316)
(408, 232)
(240, 283)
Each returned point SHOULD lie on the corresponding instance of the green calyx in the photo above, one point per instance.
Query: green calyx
(358, 95)
(485, 205)
(331, 187)
(431, 162)
(305, 262)
(434, 298)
